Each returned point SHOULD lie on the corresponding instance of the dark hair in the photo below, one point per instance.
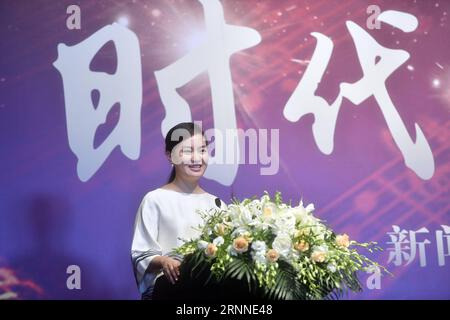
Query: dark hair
(177, 134)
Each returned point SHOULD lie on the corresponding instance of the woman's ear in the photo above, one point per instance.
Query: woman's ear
(169, 158)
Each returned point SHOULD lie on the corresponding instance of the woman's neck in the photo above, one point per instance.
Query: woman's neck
(186, 186)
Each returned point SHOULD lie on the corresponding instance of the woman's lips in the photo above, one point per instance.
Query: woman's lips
(195, 167)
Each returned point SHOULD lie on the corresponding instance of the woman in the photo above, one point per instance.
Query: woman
(167, 215)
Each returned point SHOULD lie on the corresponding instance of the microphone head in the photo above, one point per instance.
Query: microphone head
(218, 202)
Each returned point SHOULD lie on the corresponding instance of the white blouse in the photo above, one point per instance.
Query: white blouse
(164, 217)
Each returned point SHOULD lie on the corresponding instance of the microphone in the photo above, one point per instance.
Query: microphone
(218, 202)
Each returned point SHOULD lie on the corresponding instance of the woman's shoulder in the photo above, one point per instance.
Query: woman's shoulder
(153, 195)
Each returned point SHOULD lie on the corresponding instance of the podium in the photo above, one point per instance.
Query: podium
(188, 288)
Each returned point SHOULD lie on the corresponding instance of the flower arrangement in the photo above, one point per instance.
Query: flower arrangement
(283, 251)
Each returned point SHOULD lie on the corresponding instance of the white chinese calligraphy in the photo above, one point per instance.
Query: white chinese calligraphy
(378, 63)
(212, 56)
(405, 245)
(442, 253)
(124, 87)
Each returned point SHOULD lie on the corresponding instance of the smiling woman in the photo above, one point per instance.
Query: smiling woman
(186, 150)
(169, 213)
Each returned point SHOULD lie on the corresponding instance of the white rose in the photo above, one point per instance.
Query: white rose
(202, 244)
(282, 244)
(259, 257)
(218, 241)
(285, 222)
(259, 246)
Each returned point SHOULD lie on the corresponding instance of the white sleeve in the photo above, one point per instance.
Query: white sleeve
(145, 246)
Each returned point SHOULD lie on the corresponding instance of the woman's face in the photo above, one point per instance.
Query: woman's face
(190, 157)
